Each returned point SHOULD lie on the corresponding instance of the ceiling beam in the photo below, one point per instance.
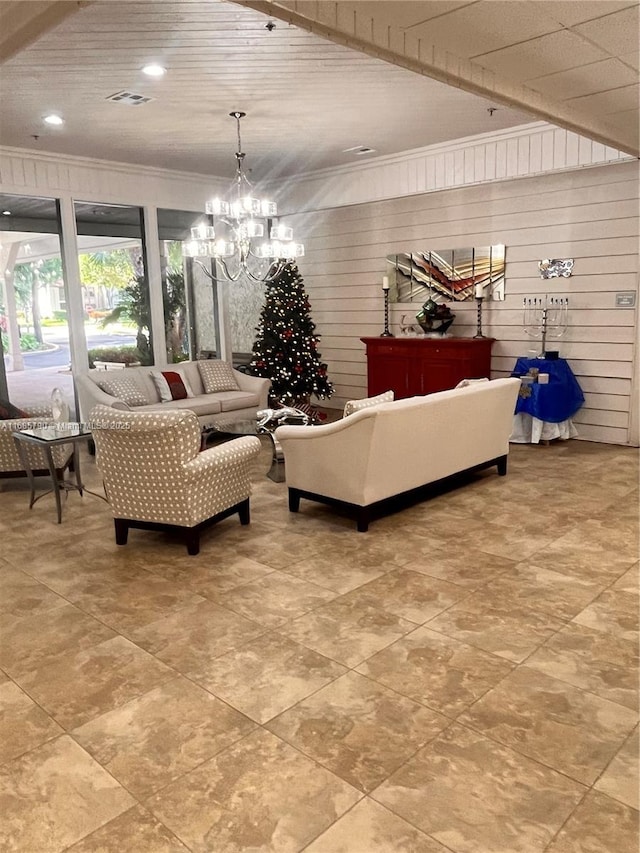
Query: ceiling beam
(346, 24)
(22, 23)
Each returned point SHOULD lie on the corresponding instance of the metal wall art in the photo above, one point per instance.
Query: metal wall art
(555, 267)
(447, 274)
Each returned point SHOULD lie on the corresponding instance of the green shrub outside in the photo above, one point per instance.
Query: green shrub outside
(28, 342)
(121, 355)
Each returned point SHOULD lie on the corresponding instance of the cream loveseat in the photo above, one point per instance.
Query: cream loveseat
(387, 449)
(135, 389)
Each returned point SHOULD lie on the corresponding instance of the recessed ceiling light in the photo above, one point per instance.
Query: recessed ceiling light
(54, 119)
(6, 213)
(154, 70)
(358, 150)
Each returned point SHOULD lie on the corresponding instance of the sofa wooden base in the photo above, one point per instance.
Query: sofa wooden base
(190, 535)
(364, 514)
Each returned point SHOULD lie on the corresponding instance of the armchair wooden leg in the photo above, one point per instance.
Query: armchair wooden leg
(362, 519)
(122, 530)
(502, 466)
(244, 512)
(192, 541)
(294, 500)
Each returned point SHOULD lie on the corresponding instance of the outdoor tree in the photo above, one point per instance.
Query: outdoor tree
(112, 270)
(286, 349)
(174, 301)
(28, 278)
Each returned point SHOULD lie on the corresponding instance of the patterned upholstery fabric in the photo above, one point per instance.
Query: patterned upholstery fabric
(217, 376)
(9, 457)
(124, 388)
(357, 405)
(153, 470)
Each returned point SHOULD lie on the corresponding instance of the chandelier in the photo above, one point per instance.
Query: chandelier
(233, 230)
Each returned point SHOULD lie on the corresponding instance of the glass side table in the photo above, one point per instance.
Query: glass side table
(46, 438)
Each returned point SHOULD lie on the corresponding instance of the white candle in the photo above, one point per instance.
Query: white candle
(385, 282)
(479, 291)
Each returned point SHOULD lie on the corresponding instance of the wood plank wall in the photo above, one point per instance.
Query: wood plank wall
(588, 214)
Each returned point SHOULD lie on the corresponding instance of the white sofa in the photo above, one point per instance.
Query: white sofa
(385, 450)
(251, 395)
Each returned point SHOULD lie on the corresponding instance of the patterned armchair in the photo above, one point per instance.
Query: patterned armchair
(10, 462)
(156, 478)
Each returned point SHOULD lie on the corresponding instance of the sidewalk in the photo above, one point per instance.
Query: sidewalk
(28, 387)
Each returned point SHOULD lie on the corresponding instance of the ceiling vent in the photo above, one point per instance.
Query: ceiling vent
(358, 150)
(129, 98)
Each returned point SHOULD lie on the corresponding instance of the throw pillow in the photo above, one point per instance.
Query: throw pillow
(217, 376)
(171, 385)
(124, 389)
(357, 405)
(8, 411)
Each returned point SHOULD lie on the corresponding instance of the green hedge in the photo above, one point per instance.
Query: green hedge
(122, 355)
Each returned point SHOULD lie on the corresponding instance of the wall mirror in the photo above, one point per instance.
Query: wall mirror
(447, 274)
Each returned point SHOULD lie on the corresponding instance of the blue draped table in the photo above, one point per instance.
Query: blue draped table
(546, 412)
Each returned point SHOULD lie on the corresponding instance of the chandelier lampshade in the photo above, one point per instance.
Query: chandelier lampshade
(235, 228)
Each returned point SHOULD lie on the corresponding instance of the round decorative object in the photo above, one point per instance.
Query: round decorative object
(59, 406)
(435, 317)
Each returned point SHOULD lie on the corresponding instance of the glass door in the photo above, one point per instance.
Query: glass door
(33, 302)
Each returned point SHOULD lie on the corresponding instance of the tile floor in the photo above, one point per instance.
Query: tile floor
(461, 678)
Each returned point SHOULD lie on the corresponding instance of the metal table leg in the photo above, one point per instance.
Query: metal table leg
(24, 458)
(54, 480)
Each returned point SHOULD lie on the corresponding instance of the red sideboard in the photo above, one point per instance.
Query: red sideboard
(411, 367)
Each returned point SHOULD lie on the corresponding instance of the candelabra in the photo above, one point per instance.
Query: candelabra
(385, 289)
(543, 317)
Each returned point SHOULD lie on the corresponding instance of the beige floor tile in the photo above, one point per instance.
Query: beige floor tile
(37, 640)
(340, 572)
(598, 825)
(124, 599)
(102, 677)
(358, 729)
(275, 599)
(604, 664)
(506, 629)
(192, 637)
(410, 595)
(259, 794)
(436, 670)
(560, 595)
(265, 677)
(54, 796)
(629, 581)
(465, 567)
(161, 735)
(285, 550)
(347, 632)
(22, 595)
(210, 578)
(474, 795)
(614, 612)
(590, 550)
(23, 725)
(370, 828)
(620, 779)
(563, 727)
(135, 831)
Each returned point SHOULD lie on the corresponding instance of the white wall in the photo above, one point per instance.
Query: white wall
(583, 211)
(589, 214)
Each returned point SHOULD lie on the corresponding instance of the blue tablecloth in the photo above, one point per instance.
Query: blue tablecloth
(559, 400)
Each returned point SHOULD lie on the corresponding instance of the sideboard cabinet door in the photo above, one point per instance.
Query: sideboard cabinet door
(411, 367)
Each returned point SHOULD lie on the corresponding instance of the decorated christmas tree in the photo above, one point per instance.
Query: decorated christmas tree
(286, 349)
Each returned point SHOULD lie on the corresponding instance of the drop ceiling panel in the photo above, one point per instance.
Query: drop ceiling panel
(483, 27)
(616, 33)
(558, 51)
(569, 12)
(625, 98)
(587, 80)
